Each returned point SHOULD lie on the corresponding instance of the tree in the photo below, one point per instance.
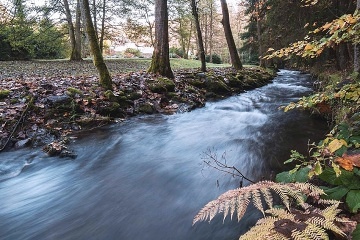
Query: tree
(141, 19)
(356, 47)
(235, 59)
(137, 32)
(181, 25)
(18, 33)
(160, 63)
(74, 33)
(49, 42)
(105, 78)
(331, 41)
(199, 35)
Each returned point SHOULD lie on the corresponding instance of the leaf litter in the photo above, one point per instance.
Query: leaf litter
(44, 103)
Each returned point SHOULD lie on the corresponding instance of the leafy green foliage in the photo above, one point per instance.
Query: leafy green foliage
(132, 52)
(49, 41)
(331, 159)
(343, 29)
(22, 39)
(356, 232)
(216, 59)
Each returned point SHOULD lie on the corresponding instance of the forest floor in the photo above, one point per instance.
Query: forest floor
(43, 103)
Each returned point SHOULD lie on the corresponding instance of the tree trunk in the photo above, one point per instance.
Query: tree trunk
(182, 37)
(105, 79)
(95, 18)
(211, 31)
(199, 35)
(206, 39)
(235, 59)
(356, 48)
(101, 40)
(78, 36)
(75, 55)
(258, 33)
(189, 41)
(160, 63)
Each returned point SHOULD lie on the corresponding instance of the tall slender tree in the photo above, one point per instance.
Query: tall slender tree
(75, 40)
(105, 78)
(199, 35)
(235, 59)
(160, 63)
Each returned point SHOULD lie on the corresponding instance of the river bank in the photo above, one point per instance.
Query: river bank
(149, 173)
(43, 108)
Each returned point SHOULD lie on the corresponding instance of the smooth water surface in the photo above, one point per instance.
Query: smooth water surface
(144, 179)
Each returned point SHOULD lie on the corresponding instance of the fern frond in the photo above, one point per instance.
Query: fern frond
(327, 220)
(308, 189)
(282, 194)
(238, 200)
(256, 196)
(314, 232)
(329, 202)
(267, 196)
(280, 213)
(264, 229)
(242, 205)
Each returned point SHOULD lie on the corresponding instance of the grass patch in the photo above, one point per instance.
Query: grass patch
(179, 63)
(65, 68)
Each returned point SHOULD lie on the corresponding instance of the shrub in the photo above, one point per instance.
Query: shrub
(215, 59)
(132, 52)
(176, 52)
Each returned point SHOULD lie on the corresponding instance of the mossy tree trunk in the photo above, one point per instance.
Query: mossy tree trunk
(160, 63)
(235, 59)
(199, 35)
(105, 78)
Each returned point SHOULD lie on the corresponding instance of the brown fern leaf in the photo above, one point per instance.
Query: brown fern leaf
(295, 224)
(238, 200)
(264, 229)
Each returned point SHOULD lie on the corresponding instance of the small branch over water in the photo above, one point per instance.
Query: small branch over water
(211, 160)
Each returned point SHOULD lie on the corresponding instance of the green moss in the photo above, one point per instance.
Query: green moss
(162, 85)
(217, 85)
(4, 94)
(134, 96)
(14, 101)
(171, 95)
(146, 108)
(197, 83)
(111, 96)
(112, 109)
(236, 81)
(192, 89)
(73, 92)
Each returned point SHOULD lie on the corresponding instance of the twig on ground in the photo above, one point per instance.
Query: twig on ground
(17, 124)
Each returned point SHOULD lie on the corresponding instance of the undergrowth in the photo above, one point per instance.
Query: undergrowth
(333, 165)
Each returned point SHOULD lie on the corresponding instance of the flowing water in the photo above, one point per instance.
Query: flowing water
(144, 179)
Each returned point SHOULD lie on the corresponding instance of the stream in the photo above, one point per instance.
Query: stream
(144, 179)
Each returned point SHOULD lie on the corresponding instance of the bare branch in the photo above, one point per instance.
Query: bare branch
(211, 160)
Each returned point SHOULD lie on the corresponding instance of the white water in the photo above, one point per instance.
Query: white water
(143, 179)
